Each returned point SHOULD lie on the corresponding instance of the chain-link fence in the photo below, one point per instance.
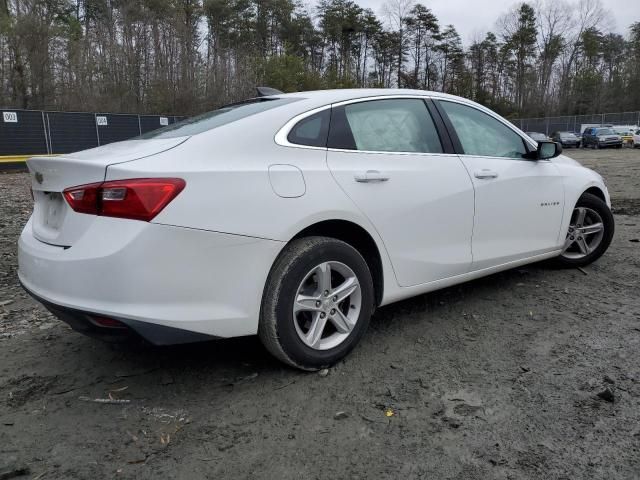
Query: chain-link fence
(576, 123)
(33, 132)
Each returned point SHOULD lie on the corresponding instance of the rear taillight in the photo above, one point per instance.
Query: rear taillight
(136, 199)
(84, 198)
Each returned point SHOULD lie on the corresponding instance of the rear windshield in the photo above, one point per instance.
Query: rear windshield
(216, 118)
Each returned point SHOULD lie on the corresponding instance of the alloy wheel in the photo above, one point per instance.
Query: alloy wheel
(586, 231)
(327, 305)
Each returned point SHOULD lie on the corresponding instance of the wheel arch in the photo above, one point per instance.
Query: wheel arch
(359, 238)
(596, 192)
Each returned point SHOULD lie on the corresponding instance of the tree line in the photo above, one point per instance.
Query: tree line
(187, 56)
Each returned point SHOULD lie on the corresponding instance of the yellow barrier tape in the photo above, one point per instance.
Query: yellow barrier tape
(20, 158)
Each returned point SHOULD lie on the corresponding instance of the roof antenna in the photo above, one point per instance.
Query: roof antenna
(267, 91)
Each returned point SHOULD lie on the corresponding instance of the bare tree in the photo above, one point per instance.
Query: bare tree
(396, 12)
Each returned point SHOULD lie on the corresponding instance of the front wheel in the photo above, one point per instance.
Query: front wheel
(317, 302)
(590, 232)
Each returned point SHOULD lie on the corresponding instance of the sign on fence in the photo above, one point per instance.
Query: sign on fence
(33, 132)
(10, 117)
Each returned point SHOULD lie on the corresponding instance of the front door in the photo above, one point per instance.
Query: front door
(518, 202)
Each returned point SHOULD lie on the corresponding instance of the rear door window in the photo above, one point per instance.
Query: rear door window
(401, 125)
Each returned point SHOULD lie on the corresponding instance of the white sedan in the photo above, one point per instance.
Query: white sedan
(294, 216)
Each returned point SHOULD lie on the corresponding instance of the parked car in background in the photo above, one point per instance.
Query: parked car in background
(601, 138)
(538, 137)
(626, 133)
(636, 139)
(578, 136)
(566, 139)
(585, 126)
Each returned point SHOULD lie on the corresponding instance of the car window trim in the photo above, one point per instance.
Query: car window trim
(456, 141)
(281, 137)
(443, 132)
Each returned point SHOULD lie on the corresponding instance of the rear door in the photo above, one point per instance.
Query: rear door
(518, 202)
(387, 155)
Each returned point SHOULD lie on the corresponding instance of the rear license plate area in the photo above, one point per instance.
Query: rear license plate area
(52, 211)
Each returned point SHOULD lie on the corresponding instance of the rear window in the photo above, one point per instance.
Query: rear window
(216, 118)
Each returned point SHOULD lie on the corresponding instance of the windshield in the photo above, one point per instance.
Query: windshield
(605, 131)
(567, 135)
(216, 118)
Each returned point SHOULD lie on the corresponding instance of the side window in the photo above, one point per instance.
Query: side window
(394, 125)
(481, 134)
(311, 131)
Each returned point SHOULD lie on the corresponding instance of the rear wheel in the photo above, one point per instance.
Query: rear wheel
(317, 303)
(590, 232)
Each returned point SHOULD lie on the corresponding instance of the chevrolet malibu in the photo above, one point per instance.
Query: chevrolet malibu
(293, 216)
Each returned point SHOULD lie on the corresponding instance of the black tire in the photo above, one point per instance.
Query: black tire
(591, 201)
(277, 330)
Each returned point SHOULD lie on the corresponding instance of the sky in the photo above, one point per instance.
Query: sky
(473, 18)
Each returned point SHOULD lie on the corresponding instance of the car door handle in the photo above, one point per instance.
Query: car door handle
(371, 176)
(484, 174)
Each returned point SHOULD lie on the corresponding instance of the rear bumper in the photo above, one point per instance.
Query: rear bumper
(88, 323)
(150, 276)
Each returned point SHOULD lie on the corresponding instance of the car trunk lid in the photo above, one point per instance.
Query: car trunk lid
(53, 220)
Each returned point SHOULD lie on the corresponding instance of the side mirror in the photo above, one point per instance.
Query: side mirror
(545, 151)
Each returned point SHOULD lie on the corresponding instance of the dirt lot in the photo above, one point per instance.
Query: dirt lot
(497, 378)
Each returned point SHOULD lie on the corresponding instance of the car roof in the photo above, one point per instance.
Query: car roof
(319, 98)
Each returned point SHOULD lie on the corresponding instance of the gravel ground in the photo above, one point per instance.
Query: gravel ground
(497, 378)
